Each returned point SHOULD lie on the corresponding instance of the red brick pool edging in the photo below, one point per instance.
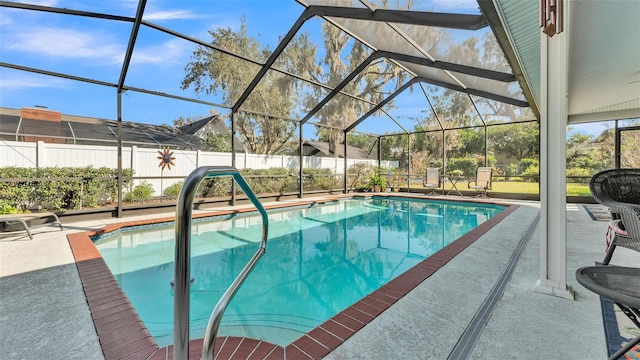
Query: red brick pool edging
(123, 335)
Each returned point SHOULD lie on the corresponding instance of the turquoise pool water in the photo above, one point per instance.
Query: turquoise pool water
(320, 260)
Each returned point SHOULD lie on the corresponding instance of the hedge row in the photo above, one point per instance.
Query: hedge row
(59, 193)
(269, 181)
(57, 189)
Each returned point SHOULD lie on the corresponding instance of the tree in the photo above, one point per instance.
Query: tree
(366, 143)
(368, 85)
(455, 109)
(182, 120)
(472, 142)
(630, 142)
(214, 72)
(517, 141)
(214, 141)
(218, 143)
(579, 139)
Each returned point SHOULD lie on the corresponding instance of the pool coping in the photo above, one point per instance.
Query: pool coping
(122, 333)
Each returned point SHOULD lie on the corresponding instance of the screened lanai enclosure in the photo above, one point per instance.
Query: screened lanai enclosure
(115, 104)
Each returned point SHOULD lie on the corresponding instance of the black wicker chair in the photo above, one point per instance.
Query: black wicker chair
(616, 186)
(620, 190)
(622, 286)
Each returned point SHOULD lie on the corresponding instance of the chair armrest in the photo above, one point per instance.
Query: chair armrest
(614, 225)
(630, 218)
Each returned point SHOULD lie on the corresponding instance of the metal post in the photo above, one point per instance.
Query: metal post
(444, 153)
(233, 156)
(120, 89)
(119, 154)
(617, 146)
(379, 150)
(486, 146)
(345, 163)
(409, 162)
(300, 172)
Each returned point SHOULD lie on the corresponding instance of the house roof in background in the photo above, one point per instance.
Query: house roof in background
(321, 148)
(77, 129)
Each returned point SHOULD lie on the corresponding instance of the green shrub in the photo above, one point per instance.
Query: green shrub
(510, 171)
(526, 163)
(320, 179)
(16, 194)
(378, 178)
(268, 181)
(173, 190)
(436, 163)
(359, 174)
(531, 174)
(8, 209)
(52, 190)
(467, 165)
(142, 192)
(215, 187)
(276, 180)
(491, 161)
(585, 175)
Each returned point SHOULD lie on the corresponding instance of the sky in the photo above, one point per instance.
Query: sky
(95, 48)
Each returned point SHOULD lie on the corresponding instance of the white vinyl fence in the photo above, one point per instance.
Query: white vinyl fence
(145, 163)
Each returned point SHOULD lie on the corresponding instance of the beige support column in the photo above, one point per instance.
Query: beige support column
(553, 125)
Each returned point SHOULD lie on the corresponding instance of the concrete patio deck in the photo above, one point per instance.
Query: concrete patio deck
(44, 313)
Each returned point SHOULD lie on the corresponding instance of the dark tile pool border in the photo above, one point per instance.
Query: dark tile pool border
(123, 335)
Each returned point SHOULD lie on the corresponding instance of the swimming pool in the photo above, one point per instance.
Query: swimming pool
(320, 259)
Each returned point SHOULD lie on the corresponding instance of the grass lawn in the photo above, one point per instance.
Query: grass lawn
(578, 190)
(517, 187)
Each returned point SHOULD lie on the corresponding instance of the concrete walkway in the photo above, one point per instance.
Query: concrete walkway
(44, 315)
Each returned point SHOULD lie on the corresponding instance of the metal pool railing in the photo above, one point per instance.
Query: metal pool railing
(184, 210)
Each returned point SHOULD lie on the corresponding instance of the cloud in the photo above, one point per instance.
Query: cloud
(24, 81)
(170, 15)
(66, 43)
(169, 53)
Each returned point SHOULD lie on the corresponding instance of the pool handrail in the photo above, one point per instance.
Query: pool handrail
(184, 210)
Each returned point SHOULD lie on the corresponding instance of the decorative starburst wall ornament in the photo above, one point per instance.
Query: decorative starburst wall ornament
(166, 158)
